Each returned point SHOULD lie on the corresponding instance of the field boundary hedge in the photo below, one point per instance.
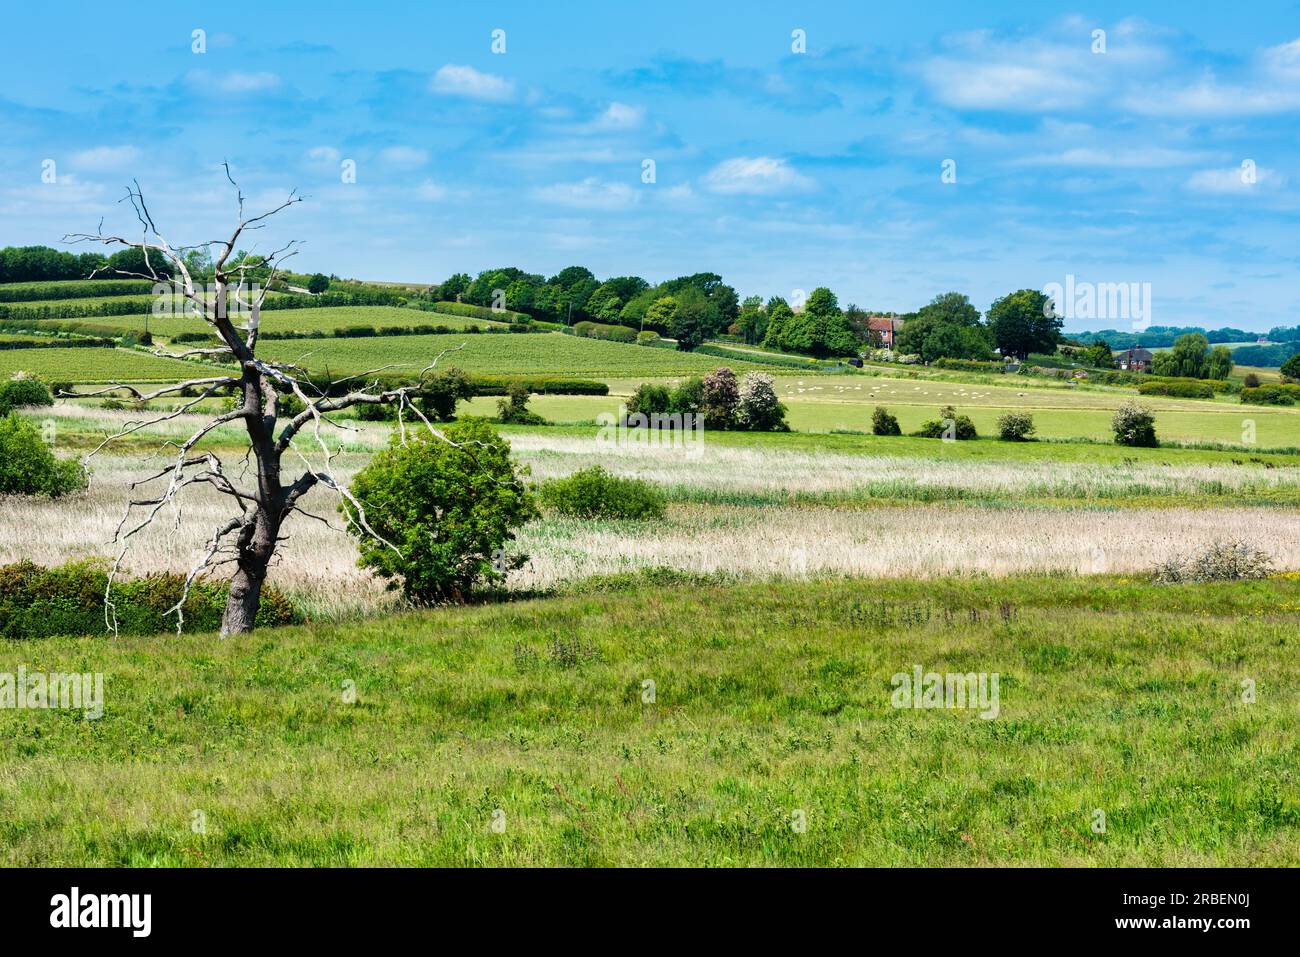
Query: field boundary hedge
(74, 289)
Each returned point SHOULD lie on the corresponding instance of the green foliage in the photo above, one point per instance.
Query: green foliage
(649, 399)
(513, 409)
(84, 289)
(949, 425)
(687, 397)
(18, 393)
(318, 283)
(1016, 426)
(1192, 358)
(883, 422)
(438, 396)
(28, 467)
(31, 264)
(138, 261)
(449, 507)
(1023, 322)
(38, 602)
(1291, 368)
(694, 319)
(1285, 394)
(1099, 355)
(1179, 388)
(1134, 425)
(598, 330)
(594, 493)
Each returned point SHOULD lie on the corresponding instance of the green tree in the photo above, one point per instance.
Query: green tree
(1189, 358)
(442, 390)
(448, 509)
(779, 314)
(1291, 368)
(951, 307)
(1022, 323)
(1219, 365)
(318, 283)
(659, 316)
(132, 261)
(692, 319)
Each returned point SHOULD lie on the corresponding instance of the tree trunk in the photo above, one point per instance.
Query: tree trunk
(255, 550)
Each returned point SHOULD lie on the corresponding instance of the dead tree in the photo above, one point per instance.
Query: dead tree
(249, 539)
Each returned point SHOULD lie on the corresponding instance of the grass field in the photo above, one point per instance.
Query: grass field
(829, 403)
(538, 354)
(768, 709)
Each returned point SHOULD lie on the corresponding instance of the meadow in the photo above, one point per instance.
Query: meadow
(791, 576)
(664, 721)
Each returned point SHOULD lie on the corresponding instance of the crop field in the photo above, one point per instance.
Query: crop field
(539, 353)
(97, 366)
(326, 319)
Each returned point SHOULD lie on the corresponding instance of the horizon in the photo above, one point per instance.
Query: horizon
(780, 170)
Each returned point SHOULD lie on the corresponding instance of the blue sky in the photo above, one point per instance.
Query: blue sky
(779, 170)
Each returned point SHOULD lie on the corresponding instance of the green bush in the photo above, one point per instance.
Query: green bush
(1271, 395)
(513, 409)
(594, 493)
(28, 467)
(1016, 426)
(38, 602)
(1134, 425)
(1178, 388)
(649, 399)
(441, 391)
(448, 509)
(949, 425)
(687, 397)
(17, 393)
(883, 422)
(970, 365)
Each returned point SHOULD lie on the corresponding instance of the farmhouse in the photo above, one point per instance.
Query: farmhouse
(883, 329)
(1135, 360)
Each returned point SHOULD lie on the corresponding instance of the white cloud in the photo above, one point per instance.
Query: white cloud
(466, 81)
(1233, 180)
(1270, 85)
(756, 176)
(238, 82)
(619, 116)
(106, 157)
(1146, 157)
(431, 191)
(404, 157)
(589, 194)
(324, 154)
